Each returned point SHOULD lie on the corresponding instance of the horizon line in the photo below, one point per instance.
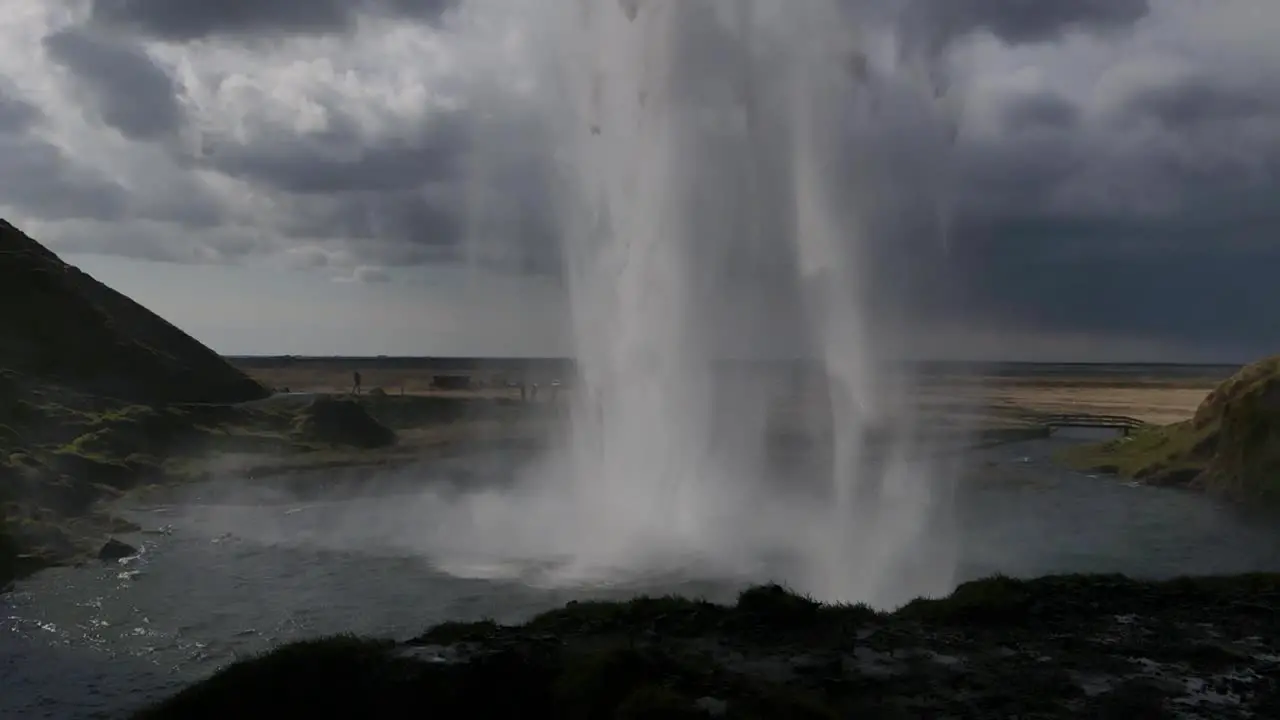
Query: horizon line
(569, 358)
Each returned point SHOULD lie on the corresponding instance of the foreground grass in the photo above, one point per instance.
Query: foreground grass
(1064, 646)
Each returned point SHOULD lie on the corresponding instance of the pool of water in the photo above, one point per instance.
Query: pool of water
(232, 576)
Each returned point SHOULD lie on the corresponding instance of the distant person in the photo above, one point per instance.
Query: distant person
(355, 385)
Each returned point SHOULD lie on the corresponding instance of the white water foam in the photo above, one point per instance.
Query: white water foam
(719, 178)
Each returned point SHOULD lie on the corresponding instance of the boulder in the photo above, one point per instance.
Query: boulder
(332, 421)
(115, 550)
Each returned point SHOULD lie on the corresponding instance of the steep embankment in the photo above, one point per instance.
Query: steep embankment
(90, 387)
(64, 327)
(1231, 447)
(1055, 647)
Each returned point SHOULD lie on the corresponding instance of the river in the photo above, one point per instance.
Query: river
(226, 579)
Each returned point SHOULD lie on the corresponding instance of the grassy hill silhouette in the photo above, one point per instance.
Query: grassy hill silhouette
(59, 325)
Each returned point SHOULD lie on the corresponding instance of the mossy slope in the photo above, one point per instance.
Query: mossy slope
(99, 395)
(1231, 447)
(62, 452)
(1055, 647)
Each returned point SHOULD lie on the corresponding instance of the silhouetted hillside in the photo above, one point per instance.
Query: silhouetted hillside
(62, 326)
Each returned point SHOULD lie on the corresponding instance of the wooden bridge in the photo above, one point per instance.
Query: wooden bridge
(1122, 423)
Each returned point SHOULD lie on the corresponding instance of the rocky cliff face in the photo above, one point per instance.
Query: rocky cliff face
(59, 325)
(1240, 421)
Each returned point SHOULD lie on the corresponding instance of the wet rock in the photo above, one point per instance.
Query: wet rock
(715, 707)
(120, 525)
(1055, 647)
(115, 550)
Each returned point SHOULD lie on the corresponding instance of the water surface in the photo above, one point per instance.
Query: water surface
(231, 579)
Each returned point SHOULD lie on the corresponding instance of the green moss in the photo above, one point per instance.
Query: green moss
(1182, 449)
(1230, 448)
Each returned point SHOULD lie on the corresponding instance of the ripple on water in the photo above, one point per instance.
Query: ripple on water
(223, 582)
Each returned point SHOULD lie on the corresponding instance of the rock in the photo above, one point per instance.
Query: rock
(120, 525)
(715, 707)
(342, 422)
(116, 550)
(1093, 646)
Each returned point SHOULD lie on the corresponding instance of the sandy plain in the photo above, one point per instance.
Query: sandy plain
(1153, 394)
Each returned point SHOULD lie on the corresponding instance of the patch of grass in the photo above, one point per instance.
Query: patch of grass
(996, 599)
(1065, 599)
(1230, 448)
(669, 614)
(761, 614)
(449, 633)
(1183, 449)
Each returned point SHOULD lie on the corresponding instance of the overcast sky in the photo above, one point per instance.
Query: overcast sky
(298, 176)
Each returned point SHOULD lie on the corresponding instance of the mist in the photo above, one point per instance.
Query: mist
(717, 179)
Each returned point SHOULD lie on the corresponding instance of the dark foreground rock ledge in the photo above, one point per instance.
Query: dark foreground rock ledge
(1097, 646)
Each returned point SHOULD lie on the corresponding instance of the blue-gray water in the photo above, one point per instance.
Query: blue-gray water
(102, 639)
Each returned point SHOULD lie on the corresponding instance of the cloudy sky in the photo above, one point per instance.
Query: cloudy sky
(300, 176)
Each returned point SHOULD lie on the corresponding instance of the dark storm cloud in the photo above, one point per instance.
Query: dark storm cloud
(411, 223)
(184, 20)
(1155, 220)
(132, 93)
(16, 114)
(393, 200)
(1197, 101)
(457, 186)
(1161, 223)
(339, 160)
(1040, 110)
(39, 181)
(1020, 21)
(1174, 160)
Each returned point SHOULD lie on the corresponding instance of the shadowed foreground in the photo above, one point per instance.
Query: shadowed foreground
(1064, 646)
